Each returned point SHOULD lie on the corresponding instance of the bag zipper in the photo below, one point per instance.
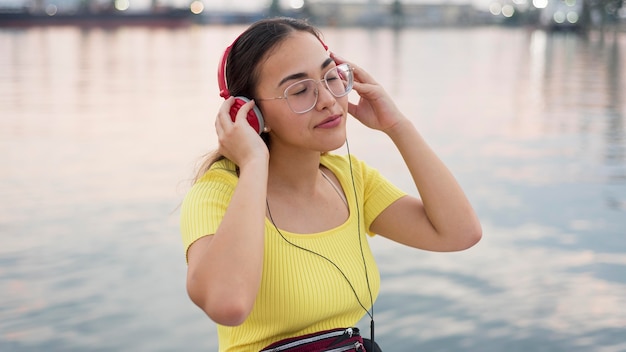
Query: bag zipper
(349, 331)
(357, 346)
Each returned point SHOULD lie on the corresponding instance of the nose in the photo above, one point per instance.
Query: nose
(324, 97)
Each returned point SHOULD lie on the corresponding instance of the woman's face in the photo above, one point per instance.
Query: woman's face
(301, 56)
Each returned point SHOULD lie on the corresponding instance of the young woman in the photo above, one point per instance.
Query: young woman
(275, 227)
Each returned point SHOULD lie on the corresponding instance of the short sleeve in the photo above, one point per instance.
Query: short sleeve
(205, 204)
(378, 193)
(374, 193)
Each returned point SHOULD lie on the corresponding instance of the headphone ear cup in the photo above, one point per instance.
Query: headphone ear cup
(255, 118)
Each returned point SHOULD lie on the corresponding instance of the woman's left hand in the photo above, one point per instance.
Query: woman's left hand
(375, 109)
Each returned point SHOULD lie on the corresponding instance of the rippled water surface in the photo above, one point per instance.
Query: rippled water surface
(100, 131)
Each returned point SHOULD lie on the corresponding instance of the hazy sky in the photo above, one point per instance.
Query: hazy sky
(220, 4)
(254, 5)
(258, 4)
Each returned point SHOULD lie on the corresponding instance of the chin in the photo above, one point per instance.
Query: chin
(331, 139)
(334, 145)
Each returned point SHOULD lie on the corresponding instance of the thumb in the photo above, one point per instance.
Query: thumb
(353, 109)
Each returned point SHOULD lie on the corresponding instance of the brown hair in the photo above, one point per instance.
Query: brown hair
(247, 52)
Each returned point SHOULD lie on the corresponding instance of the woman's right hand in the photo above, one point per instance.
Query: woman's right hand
(238, 141)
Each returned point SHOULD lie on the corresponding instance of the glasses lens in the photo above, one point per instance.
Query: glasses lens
(339, 80)
(302, 95)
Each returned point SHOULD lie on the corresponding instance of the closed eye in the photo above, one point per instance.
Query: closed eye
(299, 88)
(300, 91)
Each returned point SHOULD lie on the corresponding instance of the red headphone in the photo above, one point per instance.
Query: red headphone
(255, 118)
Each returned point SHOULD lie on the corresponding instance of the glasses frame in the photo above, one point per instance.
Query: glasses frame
(317, 82)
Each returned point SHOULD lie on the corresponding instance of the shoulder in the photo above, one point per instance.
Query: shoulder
(349, 166)
(220, 179)
(223, 171)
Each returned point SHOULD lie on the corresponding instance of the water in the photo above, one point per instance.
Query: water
(100, 131)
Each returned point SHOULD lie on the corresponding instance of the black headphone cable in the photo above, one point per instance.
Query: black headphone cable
(369, 289)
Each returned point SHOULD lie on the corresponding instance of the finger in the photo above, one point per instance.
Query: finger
(222, 119)
(218, 125)
(360, 75)
(243, 111)
(352, 109)
(355, 70)
(338, 59)
(223, 114)
(364, 89)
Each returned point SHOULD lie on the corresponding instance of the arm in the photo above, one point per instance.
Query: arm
(443, 220)
(224, 270)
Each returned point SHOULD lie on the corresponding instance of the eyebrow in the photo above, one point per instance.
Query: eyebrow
(325, 64)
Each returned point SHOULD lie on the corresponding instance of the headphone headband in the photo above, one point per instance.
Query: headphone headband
(221, 73)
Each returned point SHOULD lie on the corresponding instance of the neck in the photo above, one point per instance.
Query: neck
(298, 172)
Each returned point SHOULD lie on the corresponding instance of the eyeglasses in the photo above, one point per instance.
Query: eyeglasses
(302, 96)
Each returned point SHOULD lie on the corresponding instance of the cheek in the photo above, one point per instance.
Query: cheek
(277, 115)
(272, 111)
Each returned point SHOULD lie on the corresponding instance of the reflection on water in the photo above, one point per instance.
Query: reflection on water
(100, 131)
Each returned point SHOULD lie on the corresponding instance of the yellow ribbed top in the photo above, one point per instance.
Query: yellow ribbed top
(301, 292)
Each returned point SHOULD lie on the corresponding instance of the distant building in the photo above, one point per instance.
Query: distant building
(375, 13)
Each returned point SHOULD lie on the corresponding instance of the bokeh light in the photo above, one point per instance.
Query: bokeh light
(572, 17)
(508, 10)
(495, 8)
(296, 4)
(122, 5)
(196, 7)
(51, 10)
(559, 17)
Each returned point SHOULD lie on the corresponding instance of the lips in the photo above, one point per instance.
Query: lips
(330, 122)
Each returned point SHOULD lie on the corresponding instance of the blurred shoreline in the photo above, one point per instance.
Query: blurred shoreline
(576, 16)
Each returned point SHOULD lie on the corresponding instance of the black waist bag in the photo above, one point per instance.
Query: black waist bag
(335, 340)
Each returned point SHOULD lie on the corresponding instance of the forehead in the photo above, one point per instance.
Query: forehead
(299, 52)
